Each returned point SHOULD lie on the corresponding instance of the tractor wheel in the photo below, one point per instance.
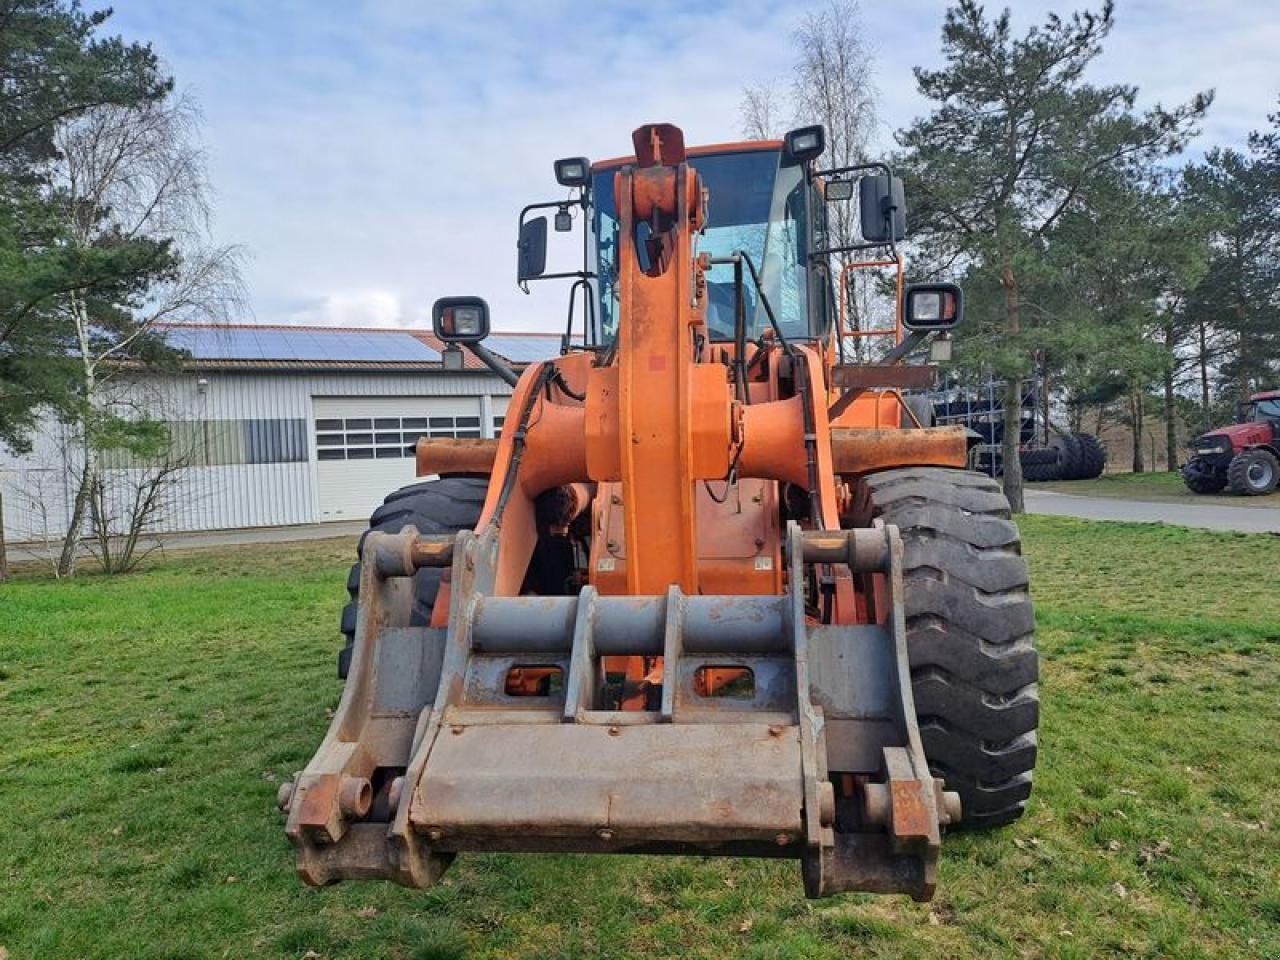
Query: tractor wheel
(1040, 464)
(445, 505)
(1093, 456)
(1201, 480)
(970, 632)
(1070, 456)
(1253, 473)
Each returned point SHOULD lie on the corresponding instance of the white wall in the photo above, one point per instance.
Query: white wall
(39, 485)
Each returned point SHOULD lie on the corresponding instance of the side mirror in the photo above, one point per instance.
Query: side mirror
(531, 256)
(883, 209)
(460, 319)
(932, 306)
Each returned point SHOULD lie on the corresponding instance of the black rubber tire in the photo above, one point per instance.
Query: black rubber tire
(1041, 474)
(1243, 464)
(444, 505)
(1070, 456)
(1093, 456)
(1038, 457)
(1040, 464)
(970, 632)
(1200, 481)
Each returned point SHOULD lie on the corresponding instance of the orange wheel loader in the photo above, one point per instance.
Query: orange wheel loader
(713, 591)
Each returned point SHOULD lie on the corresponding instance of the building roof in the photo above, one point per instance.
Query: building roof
(264, 346)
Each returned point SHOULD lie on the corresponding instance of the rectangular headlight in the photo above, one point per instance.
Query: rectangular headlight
(466, 321)
(926, 307)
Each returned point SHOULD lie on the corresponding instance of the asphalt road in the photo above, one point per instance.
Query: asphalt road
(1208, 516)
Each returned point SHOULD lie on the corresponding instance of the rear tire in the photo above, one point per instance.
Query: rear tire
(1253, 473)
(442, 506)
(970, 632)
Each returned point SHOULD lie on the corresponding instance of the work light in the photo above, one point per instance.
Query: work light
(573, 171)
(932, 306)
(805, 143)
(460, 319)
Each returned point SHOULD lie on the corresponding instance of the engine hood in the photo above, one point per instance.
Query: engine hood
(1241, 435)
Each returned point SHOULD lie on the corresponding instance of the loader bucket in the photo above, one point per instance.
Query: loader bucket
(771, 736)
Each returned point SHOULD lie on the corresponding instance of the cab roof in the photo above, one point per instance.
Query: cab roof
(740, 146)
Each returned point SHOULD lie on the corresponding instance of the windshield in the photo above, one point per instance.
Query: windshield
(756, 205)
(1265, 409)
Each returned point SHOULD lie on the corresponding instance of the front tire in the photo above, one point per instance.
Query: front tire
(1200, 477)
(970, 632)
(441, 506)
(1253, 473)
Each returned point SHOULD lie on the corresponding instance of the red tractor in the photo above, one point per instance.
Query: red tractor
(1244, 457)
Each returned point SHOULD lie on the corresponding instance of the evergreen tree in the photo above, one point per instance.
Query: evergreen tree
(1016, 142)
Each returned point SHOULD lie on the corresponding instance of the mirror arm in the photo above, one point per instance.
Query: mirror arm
(494, 363)
(909, 343)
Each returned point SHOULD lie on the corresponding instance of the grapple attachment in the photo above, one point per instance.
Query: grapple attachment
(764, 734)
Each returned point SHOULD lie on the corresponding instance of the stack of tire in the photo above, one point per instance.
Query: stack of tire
(1070, 456)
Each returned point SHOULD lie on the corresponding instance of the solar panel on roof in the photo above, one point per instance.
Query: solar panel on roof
(520, 349)
(282, 343)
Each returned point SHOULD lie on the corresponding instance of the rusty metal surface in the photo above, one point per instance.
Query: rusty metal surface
(901, 375)
(636, 782)
(449, 456)
(856, 451)
(430, 737)
(434, 750)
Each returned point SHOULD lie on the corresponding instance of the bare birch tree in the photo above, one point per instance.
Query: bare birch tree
(832, 83)
(132, 186)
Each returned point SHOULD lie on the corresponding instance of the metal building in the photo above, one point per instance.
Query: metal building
(278, 425)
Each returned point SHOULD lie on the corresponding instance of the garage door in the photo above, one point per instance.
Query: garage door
(364, 446)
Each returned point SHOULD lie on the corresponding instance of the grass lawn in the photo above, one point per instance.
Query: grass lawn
(146, 721)
(1161, 487)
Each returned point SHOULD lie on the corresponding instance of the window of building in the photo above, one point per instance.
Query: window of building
(363, 438)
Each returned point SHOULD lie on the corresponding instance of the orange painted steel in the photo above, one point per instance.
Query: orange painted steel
(687, 479)
(896, 329)
(741, 146)
(660, 430)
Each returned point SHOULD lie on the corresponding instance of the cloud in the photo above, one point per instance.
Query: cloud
(358, 308)
(374, 155)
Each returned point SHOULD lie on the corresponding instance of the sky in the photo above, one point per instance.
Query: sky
(370, 156)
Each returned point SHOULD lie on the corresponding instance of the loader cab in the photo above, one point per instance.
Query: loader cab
(757, 205)
(765, 200)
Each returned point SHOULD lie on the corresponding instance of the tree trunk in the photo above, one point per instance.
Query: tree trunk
(4, 550)
(1135, 417)
(1203, 361)
(1009, 459)
(89, 473)
(1170, 415)
(80, 507)
(1044, 400)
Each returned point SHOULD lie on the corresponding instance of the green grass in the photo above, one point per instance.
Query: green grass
(1161, 487)
(146, 721)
